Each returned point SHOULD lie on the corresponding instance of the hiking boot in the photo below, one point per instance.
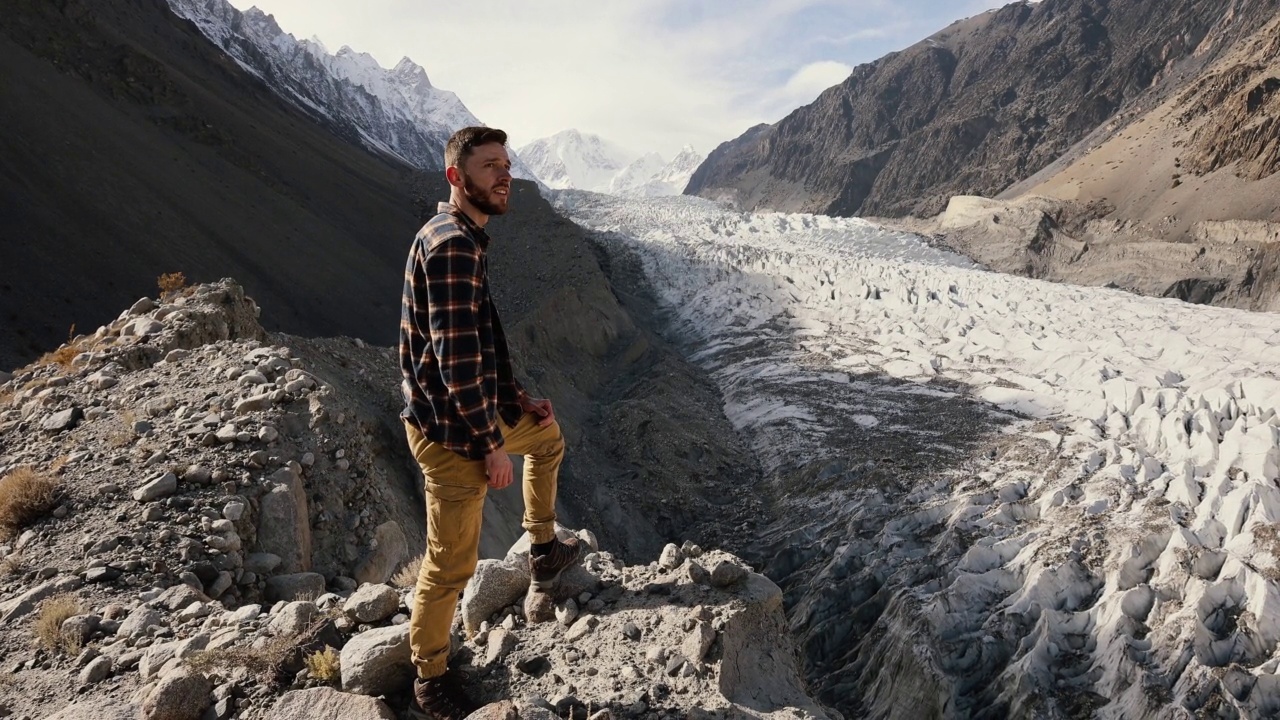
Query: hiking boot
(546, 569)
(441, 698)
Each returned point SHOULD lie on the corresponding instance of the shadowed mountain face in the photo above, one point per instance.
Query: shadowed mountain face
(982, 104)
(134, 147)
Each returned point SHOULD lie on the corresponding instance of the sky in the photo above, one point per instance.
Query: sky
(645, 74)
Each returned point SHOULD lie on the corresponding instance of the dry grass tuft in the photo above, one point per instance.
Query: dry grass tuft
(325, 665)
(12, 566)
(407, 575)
(25, 496)
(171, 283)
(63, 356)
(48, 627)
(261, 662)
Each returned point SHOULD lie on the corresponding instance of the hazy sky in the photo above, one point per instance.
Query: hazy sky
(646, 74)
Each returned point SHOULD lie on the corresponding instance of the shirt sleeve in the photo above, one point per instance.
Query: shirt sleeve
(454, 288)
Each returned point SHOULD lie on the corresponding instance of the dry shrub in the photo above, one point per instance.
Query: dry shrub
(325, 665)
(48, 627)
(25, 496)
(261, 662)
(12, 566)
(407, 575)
(63, 356)
(170, 283)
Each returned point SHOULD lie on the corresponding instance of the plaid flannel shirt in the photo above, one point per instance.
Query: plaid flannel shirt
(457, 371)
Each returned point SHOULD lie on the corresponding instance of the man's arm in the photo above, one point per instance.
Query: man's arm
(453, 285)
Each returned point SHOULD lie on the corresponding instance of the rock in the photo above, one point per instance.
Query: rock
(142, 307)
(227, 434)
(233, 510)
(390, 550)
(630, 630)
(293, 618)
(96, 671)
(268, 434)
(197, 475)
(142, 326)
(244, 614)
(372, 603)
(294, 586)
(102, 381)
(670, 558)
(674, 663)
(727, 573)
(695, 646)
(220, 584)
(284, 527)
(177, 355)
(180, 695)
(581, 628)
(567, 612)
(534, 665)
(496, 584)
(377, 661)
(180, 596)
(136, 624)
(253, 403)
(21, 606)
(328, 704)
(261, 563)
(697, 574)
(505, 710)
(80, 627)
(539, 607)
(62, 420)
(102, 574)
(498, 645)
(162, 486)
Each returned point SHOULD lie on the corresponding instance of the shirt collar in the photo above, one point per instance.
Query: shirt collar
(481, 236)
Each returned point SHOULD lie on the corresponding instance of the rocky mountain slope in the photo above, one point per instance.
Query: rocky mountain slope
(396, 111)
(226, 504)
(1175, 200)
(975, 108)
(136, 148)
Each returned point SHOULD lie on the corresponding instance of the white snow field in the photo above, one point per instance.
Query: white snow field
(992, 496)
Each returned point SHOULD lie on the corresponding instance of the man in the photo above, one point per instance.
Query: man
(465, 412)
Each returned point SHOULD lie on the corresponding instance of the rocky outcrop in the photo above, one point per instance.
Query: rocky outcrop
(947, 116)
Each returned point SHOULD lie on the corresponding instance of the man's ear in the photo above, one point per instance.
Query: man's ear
(453, 175)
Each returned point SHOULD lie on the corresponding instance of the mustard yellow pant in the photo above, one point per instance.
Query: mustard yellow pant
(455, 493)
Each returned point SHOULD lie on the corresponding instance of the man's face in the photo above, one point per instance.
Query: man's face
(486, 178)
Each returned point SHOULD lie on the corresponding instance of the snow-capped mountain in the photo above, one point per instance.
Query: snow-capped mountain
(397, 111)
(640, 171)
(574, 160)
(670, 179)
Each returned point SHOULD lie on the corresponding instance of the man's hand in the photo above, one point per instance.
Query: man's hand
(540, 407)
(497, 465)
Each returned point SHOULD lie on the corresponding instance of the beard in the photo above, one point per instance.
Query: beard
(483, 200)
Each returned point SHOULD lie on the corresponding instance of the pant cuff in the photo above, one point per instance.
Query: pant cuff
(428, 669)
(542, 534)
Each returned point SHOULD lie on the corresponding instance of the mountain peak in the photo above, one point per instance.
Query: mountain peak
(410, 71)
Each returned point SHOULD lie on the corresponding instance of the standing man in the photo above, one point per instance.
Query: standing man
(465, 412)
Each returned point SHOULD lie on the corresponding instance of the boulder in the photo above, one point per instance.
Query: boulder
(284, 527)
(328, 704)
(293, 618)
(377, 662)
(180, 695)
(22, 605)
(372, 603)
(390, 549)
(496, 584)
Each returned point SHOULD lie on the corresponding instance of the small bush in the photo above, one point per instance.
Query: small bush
(407, 575)
(263, 662)
(48, 628)
(25, 496)
(63, 356)
(170, 283)
(325, 665)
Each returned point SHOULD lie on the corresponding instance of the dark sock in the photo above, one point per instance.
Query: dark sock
(540, 549)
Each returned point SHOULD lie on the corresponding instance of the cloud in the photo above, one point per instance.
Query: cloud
(646, 74)
(809, 81)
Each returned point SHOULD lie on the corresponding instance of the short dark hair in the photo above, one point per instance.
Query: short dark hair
(466, 140)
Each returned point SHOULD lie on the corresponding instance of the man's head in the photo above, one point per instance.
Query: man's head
(479, 169)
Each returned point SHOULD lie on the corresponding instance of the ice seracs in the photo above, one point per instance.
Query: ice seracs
(1014, 492)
